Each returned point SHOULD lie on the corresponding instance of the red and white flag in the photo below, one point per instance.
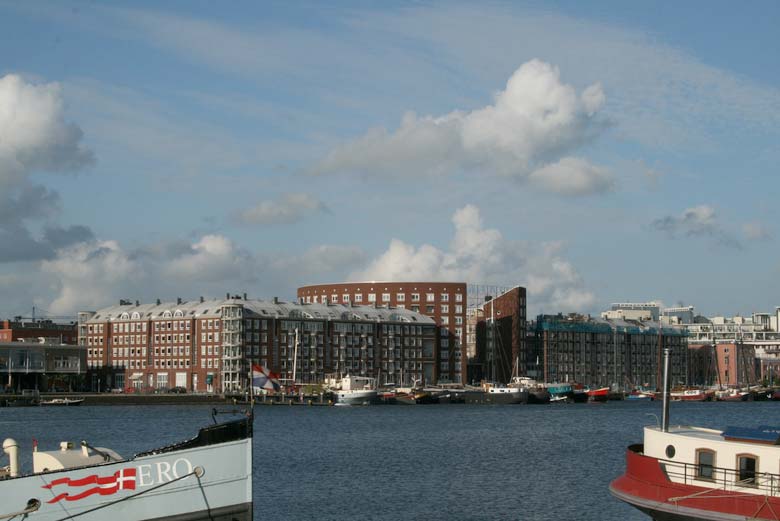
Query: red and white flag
(105, 486)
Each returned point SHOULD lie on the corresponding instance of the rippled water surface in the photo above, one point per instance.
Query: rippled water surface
(446, 462)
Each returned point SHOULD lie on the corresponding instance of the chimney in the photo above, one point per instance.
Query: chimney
(227, 296)
(137, 303)
(275, 300)
(158, 302)
(178, 301)
(201, 300)
(244, 296)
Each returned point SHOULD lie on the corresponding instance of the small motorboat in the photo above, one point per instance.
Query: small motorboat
(66, 402)
(598, 395)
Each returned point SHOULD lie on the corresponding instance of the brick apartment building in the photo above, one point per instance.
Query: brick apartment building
(208, 345)
(601, 352)
(444, 302)
(19, 330)
(500, 334)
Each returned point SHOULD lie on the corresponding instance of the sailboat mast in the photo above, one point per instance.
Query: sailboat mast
(295, 357)
(492, 344)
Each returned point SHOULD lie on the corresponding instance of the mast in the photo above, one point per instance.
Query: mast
(667, 385)
(295, 357)
(492, 344)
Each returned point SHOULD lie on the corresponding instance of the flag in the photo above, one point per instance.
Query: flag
(105, 486)
(264, 379)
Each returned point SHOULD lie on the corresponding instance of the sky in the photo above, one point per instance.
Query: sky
(592, 152)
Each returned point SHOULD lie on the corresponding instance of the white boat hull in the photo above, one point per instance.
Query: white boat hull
(357, 397)
(164, 485)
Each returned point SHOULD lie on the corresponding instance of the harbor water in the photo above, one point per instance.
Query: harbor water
(446, 462)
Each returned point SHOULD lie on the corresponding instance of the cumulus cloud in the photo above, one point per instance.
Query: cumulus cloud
(533, 123)
(94, 273)
(212, 258)
(697, 221)
(35, 133)
(89, 274)
(291, 208)
(481, 255)
(35, 137)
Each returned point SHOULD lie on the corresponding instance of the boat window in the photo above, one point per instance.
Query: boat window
(747, 465)
(705, 460)
(670, 451)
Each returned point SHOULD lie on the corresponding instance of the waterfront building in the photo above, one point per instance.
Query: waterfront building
(600, 352)
(501, 336)
(20, 329)
(41, 365)
(208, 345)
(444, 302)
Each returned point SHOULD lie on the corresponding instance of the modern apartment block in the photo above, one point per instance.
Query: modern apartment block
(208, 345)
(599, 352)
(633, 311)
(20, 330)
(444, 302)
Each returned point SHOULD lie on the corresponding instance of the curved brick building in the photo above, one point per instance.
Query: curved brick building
(444, 302)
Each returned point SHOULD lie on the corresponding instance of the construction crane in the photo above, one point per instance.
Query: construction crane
(44, 317)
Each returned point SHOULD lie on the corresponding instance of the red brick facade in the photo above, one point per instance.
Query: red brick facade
(16, 330)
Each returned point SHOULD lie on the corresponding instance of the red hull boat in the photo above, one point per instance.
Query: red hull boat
(598, 395)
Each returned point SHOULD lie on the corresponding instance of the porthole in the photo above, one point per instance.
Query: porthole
(670, 451)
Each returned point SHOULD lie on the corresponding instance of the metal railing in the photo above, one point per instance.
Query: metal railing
(721, 478)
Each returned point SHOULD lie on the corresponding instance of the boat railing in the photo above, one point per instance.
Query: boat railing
(763, 483)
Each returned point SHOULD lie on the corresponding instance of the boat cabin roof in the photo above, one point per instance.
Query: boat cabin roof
(763, 434)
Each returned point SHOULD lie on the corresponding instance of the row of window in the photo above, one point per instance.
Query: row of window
(346, 298)
(747, 467)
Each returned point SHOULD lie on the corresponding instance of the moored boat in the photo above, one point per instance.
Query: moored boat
(695, 474)
(355, 390)
(560, 392)
(598, 395)
(206, 477)
(690, 395)
(641, 393)
(537, 392)
(495, 394)
(63, 402)
(732, 395)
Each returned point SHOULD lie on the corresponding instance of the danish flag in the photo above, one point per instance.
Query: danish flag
(105, 486)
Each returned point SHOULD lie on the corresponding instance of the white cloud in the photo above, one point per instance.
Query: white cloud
(90, 274)
(34, 137)
(532, 123)
(212, 258)
(291, 208)
(573, 176)
(35, 133)
(481, 255)
(94, 274)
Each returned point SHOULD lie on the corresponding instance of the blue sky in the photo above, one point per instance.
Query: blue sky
(593, 152)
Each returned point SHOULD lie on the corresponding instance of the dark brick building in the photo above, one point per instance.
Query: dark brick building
(501, 336)
(444, 302)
